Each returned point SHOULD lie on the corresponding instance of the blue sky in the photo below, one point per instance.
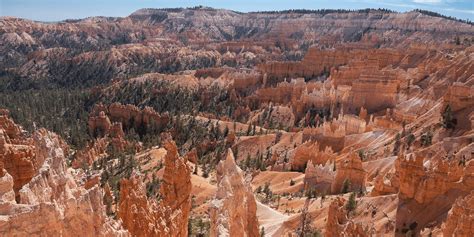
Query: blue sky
(54, 10)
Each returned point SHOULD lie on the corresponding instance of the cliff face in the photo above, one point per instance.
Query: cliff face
(310, 151)
(139, 216)
(233, 210)
(17, 154)
(128, 116)
(317, 62)
(423, 187)
(338, 224)
(319, 177)
(460, 220)
(176, 191)
(349, 170)
(143, 217)
(53, 202)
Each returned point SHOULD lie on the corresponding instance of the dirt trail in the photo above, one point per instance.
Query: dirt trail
(269, 219)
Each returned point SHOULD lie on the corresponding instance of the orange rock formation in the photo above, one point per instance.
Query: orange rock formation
(350, 169)
(460, 220)
(53, 202)
(338, 224)
(233, 211)
(143, 217)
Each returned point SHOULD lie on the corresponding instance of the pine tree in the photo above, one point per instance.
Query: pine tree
(426, 138)
(226, 131)
(249, 129)
(346, 186)
(396, 146)
(351, 204)
(410, 139)
(449, 121)
(248, 162)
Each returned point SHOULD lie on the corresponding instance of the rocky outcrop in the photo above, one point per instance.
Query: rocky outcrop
(233, 210)
(97, 148)
(139, 216)
(17, 155)
(385, 184)
(459, 96)
(381, 86)
(7, 195)
(460, 220)
(317, 62)
(420, 184)
(10, 129)
(143, 217)
(106, 133)
(423, 186)
(332, 133)
(129, 116)
(176, 191)
(309, 151)
(99, 125)
(460, 99)
(94, 150)
(53, 202)
(338, 224)
(349, 170)
(319, 177)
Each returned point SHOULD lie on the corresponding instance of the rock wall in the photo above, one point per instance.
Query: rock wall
(129, 116)
(338, 224)
(319, 177)
(460, 220)
(422, 187)
(53, 203)
(310, 151)
(376, 90)
(143, 217)
(350, 168)
(233, 210)
(139, 216)
(317, 62)
(176, 191)
(17, 154)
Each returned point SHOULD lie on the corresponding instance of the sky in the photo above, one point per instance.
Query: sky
(56, 10)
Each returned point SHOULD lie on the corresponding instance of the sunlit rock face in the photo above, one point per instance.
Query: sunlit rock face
(53, 201)
(17, 154)
(349, 170)
(169, 217)
(233, 210)
(319, 177)
(460, 220)
(338, 224)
